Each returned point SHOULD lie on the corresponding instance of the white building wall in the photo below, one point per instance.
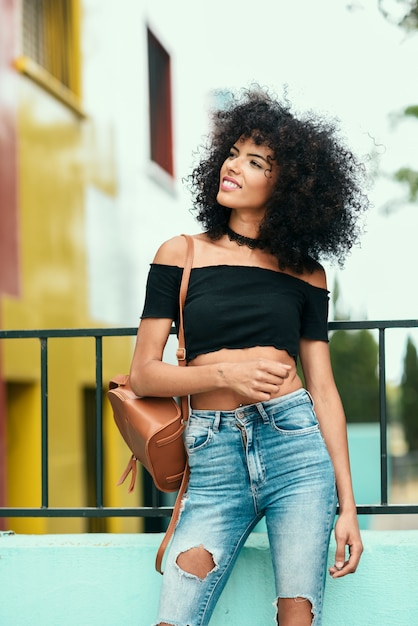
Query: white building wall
(126, 223)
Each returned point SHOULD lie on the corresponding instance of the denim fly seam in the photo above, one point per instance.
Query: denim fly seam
(264, 459)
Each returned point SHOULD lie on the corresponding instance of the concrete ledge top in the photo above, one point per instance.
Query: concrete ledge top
(104, 540)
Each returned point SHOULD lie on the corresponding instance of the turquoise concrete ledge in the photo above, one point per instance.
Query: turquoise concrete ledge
(109, 580)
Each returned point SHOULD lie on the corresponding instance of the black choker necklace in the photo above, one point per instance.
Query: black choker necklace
(241, 240)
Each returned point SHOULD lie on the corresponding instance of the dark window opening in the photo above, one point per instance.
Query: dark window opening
(159, 77)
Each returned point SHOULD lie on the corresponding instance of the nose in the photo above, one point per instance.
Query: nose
(234, 165)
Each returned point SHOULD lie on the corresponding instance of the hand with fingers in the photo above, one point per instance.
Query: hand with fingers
(260, 379)
(347, 536)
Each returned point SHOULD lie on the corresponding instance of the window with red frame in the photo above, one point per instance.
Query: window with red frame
(159, 80)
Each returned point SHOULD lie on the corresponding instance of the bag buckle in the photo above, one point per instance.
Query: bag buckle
(181, 354)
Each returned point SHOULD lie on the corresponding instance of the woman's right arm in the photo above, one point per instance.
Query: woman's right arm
(150, 376)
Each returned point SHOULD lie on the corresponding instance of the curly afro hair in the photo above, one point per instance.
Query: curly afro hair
(313, 212)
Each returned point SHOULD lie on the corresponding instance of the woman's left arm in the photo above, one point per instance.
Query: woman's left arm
(319, 381)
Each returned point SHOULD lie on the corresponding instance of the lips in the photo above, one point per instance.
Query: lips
(229, 184)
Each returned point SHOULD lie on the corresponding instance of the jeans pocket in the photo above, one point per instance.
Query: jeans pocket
(198, 433)
(298, 420)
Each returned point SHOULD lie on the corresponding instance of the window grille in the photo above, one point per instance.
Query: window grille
(51, 47)
(32, 25)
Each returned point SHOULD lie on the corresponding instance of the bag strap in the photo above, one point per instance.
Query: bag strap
(181, 349)
(173, 521)
(184, 400)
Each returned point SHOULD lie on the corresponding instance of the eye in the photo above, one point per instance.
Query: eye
(231, 155)
(256, 164)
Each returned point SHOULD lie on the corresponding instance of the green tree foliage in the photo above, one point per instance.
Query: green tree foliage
(410, 20)
(409, 395)
(410, 177)
(403, 13)
(407, 175)
(354, 357)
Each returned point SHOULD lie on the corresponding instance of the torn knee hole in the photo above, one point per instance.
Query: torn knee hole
(196, 561)
(299, 607)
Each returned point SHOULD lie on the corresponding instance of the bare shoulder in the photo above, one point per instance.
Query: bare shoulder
(318, 277)
(172, 252)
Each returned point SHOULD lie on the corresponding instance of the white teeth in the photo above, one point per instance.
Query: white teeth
(230, 184)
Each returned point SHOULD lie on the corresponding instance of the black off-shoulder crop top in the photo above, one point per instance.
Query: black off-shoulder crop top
(229, 306)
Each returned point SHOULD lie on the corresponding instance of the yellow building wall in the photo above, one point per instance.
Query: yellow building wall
(53, 167)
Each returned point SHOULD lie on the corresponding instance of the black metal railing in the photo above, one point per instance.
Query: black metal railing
(155, 510)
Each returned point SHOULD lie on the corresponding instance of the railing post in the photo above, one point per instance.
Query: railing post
(99, 422)
(44, 421)
(383, 419)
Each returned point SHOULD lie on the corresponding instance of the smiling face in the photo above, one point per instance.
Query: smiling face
(247, 177)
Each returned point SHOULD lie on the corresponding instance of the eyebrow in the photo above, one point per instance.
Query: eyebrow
(252, 154)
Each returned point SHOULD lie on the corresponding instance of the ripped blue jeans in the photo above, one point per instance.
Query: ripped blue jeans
(266, 459)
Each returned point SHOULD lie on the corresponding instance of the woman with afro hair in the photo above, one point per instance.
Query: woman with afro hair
(275, 194)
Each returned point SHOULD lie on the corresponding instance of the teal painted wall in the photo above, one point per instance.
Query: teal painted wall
(364, 445)
(109, 580)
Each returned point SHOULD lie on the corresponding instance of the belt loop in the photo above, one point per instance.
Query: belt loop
(262, 411)
(216, 421)
(310, 398)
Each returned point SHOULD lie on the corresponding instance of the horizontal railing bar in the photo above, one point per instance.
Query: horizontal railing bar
(132, 330)
(164, 511)
(370, 325)
(67, 332)
(371, 509)
(87, 512)
(379, 509)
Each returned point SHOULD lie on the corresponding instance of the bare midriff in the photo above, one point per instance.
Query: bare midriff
(227, 399)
